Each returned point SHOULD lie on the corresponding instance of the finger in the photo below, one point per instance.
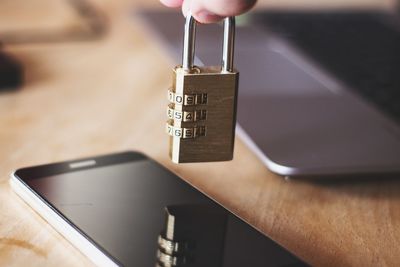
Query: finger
(172, 3)
(209, 11)
(186, 6)
(224, 8)
(203, 16)
(207, 17)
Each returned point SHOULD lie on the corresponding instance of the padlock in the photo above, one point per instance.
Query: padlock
(202, 110)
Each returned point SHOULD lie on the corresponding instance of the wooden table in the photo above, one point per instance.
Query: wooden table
(88, 98)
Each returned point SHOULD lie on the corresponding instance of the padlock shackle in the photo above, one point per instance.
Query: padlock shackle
(228, 46)
(189, 42)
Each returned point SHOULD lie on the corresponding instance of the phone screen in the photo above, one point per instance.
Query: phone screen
(140, 214)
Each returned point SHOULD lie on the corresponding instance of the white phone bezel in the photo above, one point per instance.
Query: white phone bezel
(85, 246)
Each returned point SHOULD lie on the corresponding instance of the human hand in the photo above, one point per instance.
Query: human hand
(209, 11)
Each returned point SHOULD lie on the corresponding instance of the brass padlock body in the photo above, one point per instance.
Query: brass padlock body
(217, 92)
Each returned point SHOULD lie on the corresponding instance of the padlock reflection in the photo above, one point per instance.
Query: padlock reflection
(193, 236)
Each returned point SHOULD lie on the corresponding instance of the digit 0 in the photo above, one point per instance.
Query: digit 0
(178, 99)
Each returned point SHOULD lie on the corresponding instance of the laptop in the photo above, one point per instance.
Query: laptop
(319, 91)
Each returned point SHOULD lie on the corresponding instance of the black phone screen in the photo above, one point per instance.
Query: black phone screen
(134, 210)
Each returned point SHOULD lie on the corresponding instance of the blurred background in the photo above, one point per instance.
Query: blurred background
(52, 20)
(55, 21)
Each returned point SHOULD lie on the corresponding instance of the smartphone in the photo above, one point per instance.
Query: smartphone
(125, 209)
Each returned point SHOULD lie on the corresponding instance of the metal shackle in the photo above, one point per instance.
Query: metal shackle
(228, 46)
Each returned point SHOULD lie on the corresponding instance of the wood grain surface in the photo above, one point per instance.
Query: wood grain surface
(89, 98)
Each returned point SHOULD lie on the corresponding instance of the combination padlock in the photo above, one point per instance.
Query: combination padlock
(202, 110)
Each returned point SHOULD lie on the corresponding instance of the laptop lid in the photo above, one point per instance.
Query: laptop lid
(297, 117)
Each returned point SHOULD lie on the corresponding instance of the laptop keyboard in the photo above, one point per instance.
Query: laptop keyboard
(362, 49)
